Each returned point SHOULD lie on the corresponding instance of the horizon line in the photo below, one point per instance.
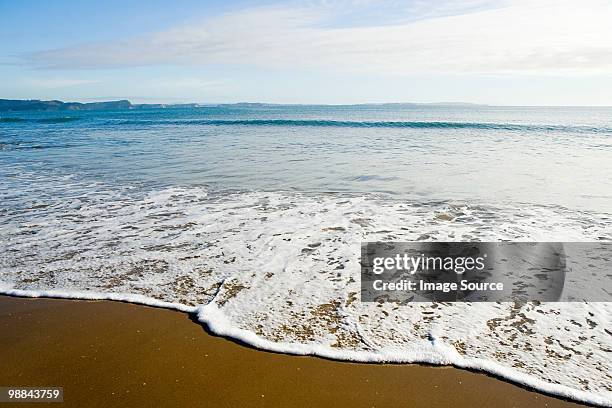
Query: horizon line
(203, 104)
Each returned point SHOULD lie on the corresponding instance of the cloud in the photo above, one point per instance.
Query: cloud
(53, 83)
(183, 83)
(523, 37)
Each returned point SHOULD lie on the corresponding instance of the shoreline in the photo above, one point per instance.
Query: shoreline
(166, 349)
(210, 319)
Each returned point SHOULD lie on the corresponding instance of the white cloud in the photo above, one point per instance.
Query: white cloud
(523, 37)
(53, 83)
(183, 83)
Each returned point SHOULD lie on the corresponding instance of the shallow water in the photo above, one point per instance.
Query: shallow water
(557, 156)
(253, 216)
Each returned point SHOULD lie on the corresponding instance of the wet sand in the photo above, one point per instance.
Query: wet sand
(122, 355)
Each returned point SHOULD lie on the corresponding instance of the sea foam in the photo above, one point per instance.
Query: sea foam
(280, 271)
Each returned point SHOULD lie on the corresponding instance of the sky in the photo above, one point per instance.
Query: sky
(502, 52)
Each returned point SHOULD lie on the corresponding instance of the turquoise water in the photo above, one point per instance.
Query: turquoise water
(550, 156)
(253, 216)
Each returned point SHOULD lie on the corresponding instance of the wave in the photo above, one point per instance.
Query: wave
(10, 146)
(278, 270)
(63, 119)
(438, 353)
(375, 124)
(57, 120)
(514, 127)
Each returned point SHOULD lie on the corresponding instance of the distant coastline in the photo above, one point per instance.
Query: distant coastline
(55, 105)
(16, 105)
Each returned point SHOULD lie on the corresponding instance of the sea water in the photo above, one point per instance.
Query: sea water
(252, 217)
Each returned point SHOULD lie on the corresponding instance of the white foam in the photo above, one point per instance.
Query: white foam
(438, 353)
(280, 271)
(120, 297)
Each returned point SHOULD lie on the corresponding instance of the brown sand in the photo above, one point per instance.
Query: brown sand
(112, 354)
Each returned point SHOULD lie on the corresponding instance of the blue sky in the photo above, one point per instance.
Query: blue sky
(509, 52)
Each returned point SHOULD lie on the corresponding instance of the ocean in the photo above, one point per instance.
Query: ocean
(252, 216)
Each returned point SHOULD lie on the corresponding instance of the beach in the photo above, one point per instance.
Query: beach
(118, 354)
(306, 204)
(251, 218)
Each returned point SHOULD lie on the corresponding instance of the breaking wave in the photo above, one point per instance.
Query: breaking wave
(376, 124)
(280, 271)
